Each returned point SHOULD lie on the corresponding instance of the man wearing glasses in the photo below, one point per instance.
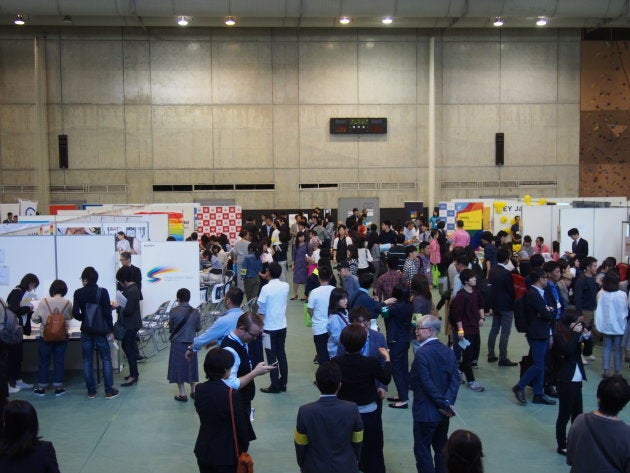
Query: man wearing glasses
(434, 379)
(248, 328)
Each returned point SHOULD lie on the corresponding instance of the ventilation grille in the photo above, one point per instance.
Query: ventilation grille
(212, 187)
(385, 186)
(496, 184)
(90, 189)
(18, 189)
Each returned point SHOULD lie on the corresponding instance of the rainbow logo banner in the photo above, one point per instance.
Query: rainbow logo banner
(154, 273)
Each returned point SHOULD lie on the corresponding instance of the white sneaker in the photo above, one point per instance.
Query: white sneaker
(13, 390)
(475, 386)
(592, 358)
(22, 385)
(584, 361)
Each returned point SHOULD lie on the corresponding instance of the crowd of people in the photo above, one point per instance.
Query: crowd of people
(567, 302)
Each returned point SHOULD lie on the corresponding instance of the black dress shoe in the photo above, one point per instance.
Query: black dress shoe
(283, 388)
(507, 362)
(393, 399)
(543, 400)
(562, 451)
(129, 382)
(520, 394)
(551, 391)
(270, 390)
(402, 406)
(492, 359)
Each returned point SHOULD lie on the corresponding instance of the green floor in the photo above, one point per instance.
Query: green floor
(145, 430)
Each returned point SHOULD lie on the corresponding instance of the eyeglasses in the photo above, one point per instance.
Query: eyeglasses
(422, 328)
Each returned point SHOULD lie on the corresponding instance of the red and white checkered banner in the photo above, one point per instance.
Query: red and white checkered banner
(213, 220)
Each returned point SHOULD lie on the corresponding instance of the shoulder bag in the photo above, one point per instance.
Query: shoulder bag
(94, 320)
(179, 326)
(244, 462)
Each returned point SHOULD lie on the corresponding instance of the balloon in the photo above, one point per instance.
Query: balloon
(498, 207)
(503, 219)
(542, 202)
(528, 199)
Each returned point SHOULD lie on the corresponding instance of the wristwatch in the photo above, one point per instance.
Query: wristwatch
(189, 348)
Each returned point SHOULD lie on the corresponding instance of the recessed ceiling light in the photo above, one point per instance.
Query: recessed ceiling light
(344, 20)
(230, 20)
(182, 20)
(387, 20)
(498, 21)
(19, 20)
(541, 21)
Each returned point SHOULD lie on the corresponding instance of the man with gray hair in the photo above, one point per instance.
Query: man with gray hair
(435, 380)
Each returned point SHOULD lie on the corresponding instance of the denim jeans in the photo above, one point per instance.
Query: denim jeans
(277, 352)
(536, 372)
(613, 343)
(501, 320)
(89, 343)
(58, 351)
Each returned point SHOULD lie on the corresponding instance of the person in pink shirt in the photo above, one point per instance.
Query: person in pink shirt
(540, 246)
(460, 237)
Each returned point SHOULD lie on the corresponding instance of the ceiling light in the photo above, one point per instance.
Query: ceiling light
(387, 20)
(182, 20)
(230, 20)
(344, 20)
(19, 20)
(498, 21)
(541, 21)
(67, 19)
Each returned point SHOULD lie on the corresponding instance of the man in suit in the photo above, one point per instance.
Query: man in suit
(502, 308)
(329, 432)
(248, 327)
(579, 246)
(434, 379)
(539, 317)
(353, 220)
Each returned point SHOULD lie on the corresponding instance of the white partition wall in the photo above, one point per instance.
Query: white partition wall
(74, 253)
(166, 267)
(541, 221)
(20, 255)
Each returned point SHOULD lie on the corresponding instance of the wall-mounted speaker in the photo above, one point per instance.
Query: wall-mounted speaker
(63, 151)
(499, 141)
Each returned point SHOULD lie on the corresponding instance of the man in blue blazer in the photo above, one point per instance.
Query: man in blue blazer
(434, 379)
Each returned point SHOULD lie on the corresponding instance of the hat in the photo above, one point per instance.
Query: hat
(343, 264)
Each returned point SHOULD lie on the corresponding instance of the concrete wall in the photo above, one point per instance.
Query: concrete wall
(213, 106)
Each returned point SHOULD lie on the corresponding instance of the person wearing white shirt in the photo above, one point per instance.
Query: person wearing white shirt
(272, 305)
(318, 301)
(122, 244)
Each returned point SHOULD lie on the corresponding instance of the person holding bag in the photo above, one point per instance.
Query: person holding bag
(92, 307)
(183, 322)
(53, 340)
(223, 434)
(131, 320)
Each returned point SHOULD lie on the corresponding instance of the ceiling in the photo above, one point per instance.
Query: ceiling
(321, 13)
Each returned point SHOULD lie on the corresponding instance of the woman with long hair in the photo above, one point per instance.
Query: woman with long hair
(421, 297)
(21, 448)
(20, 303)
(337, 318)
(463, 453)
(610, 320)
(299, 264)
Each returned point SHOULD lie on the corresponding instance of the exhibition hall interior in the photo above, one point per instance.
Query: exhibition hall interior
(170, 135)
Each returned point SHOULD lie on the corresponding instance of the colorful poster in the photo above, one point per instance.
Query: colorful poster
(214, 220)
(167, 267)
(470, 212)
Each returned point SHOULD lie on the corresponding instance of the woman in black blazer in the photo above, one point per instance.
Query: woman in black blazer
(132, 321)
(21, 450)
(568, 339)
(215, 448)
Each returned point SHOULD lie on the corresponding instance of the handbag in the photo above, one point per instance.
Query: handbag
(94, 320)
(308, 321)
(244, 462)
(119, 328)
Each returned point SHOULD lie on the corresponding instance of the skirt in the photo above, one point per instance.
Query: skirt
(180, 370)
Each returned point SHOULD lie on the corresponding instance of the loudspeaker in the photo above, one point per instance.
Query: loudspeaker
(499, 141)
(63, 151)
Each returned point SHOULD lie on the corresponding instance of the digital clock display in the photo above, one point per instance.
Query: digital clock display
(345, 126)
